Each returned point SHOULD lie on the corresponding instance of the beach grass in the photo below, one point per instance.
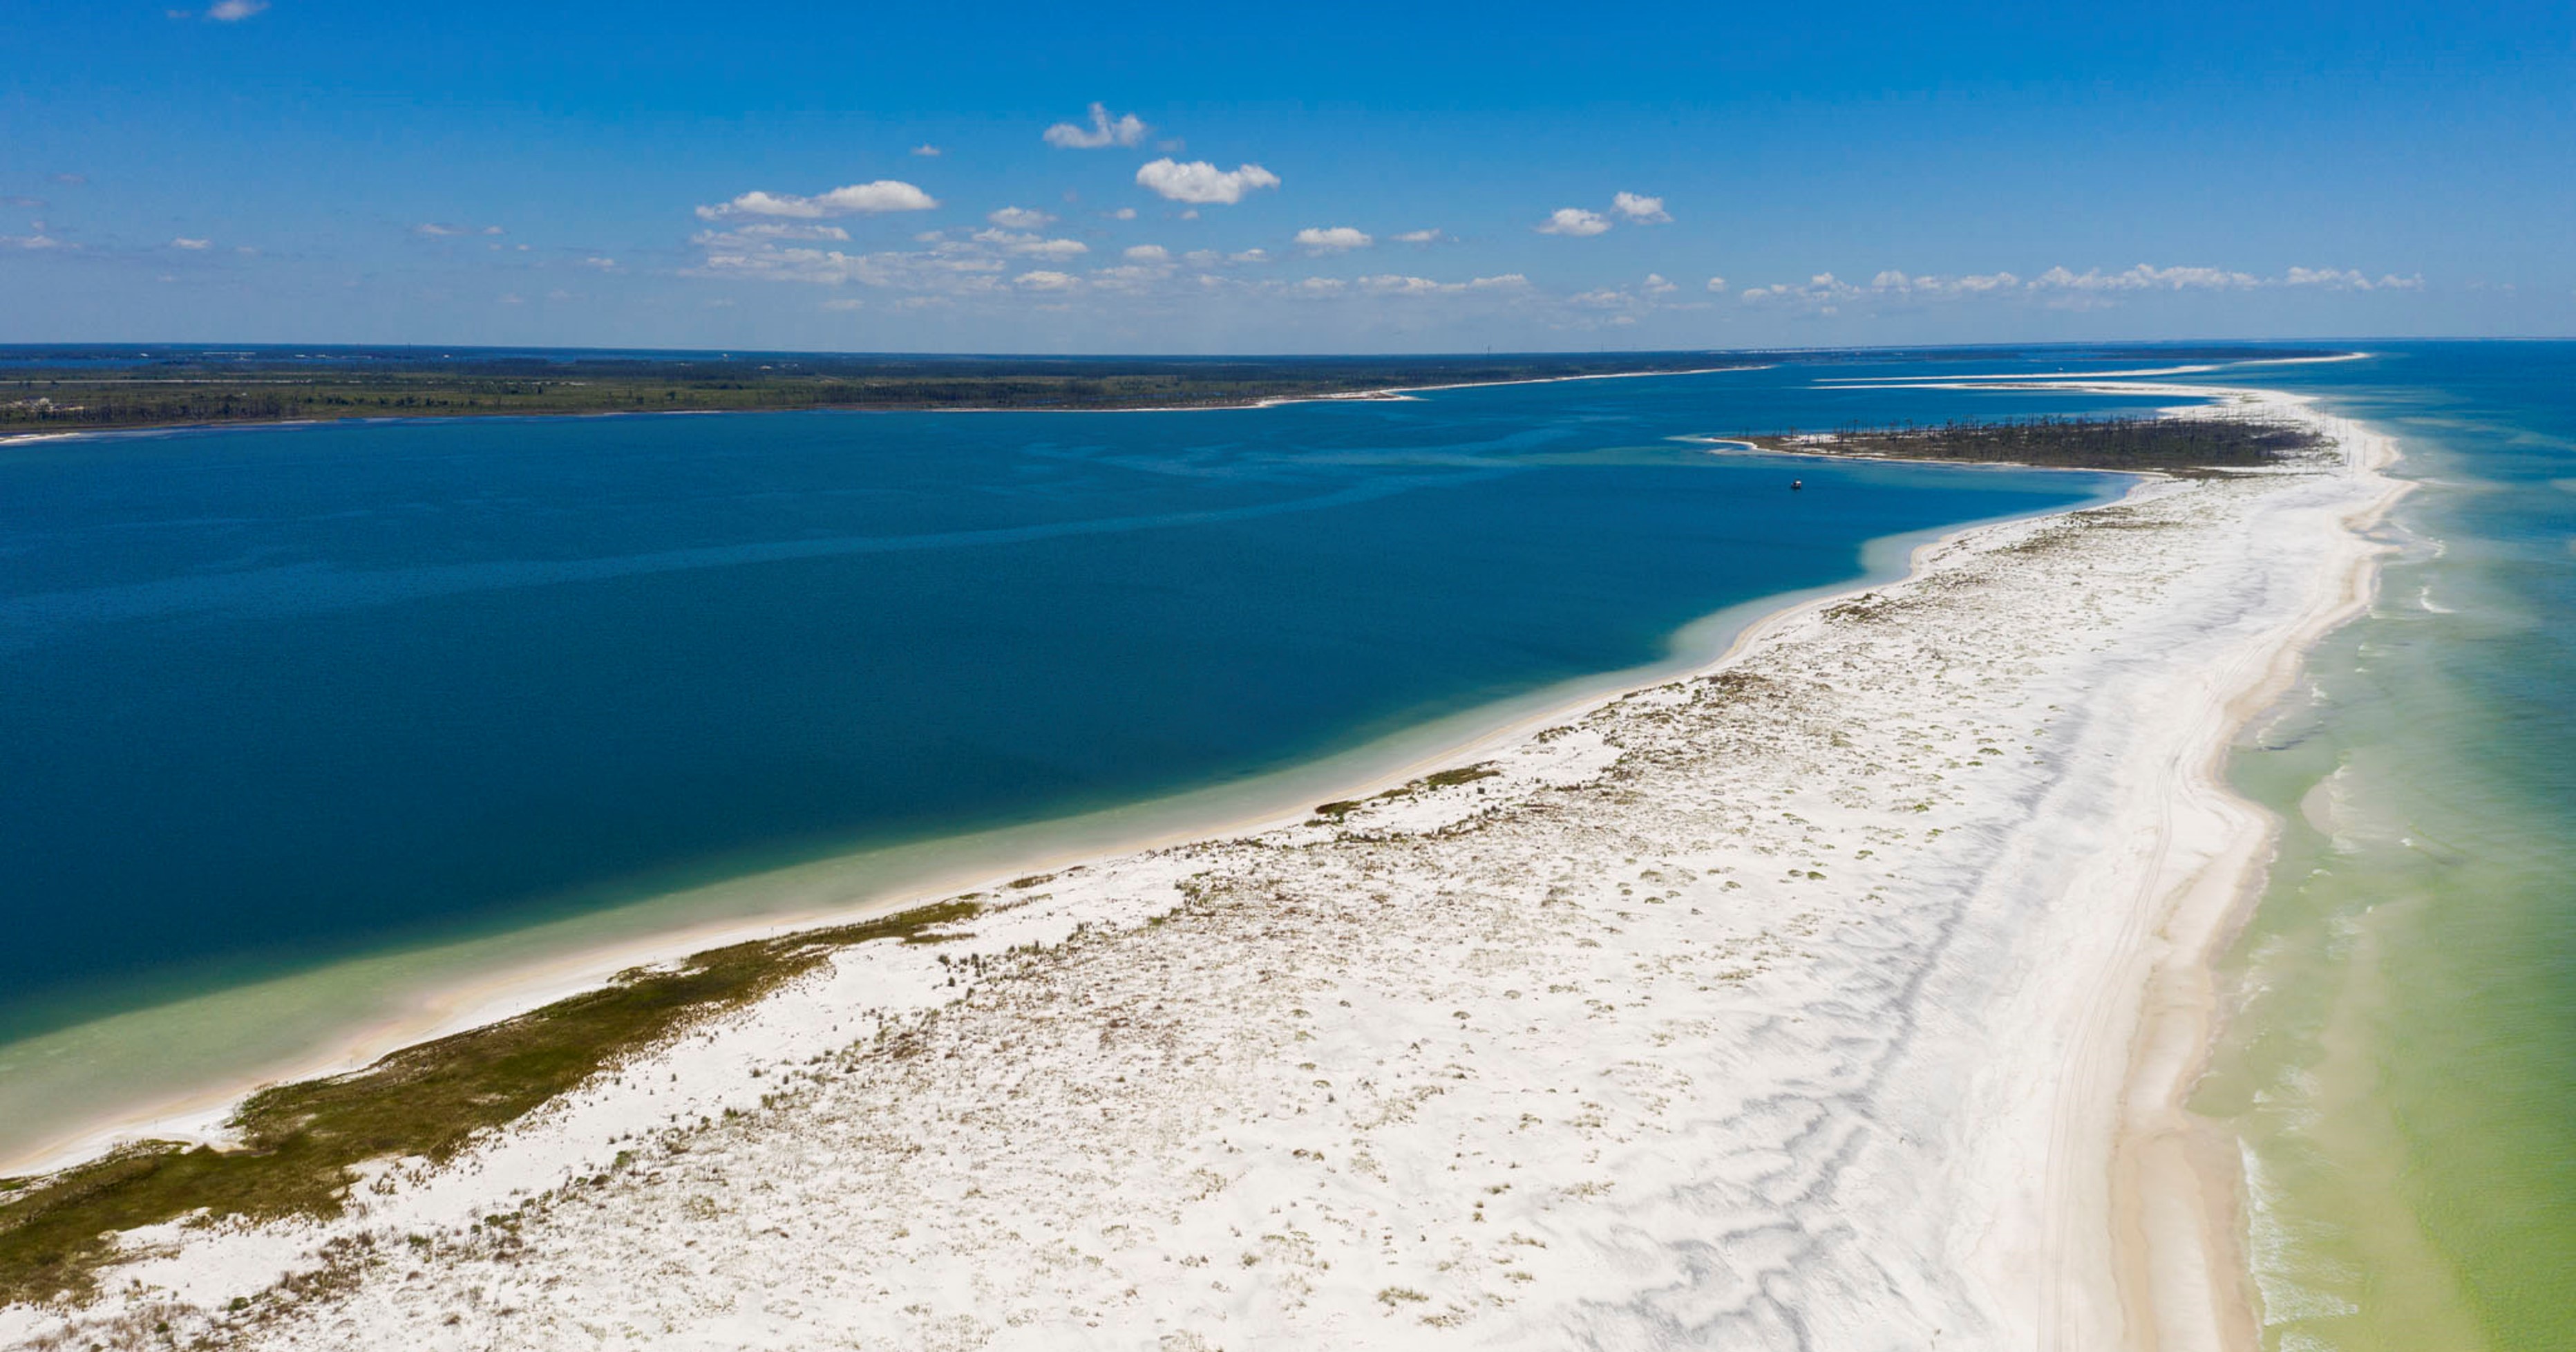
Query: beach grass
(1442, 779)
(300, 1145)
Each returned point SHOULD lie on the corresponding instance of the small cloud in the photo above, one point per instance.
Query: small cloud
(1655, 285)
(1128, 276)
(857, 199)
(183, 242)
(1020, 218)
(1026, 244)
(1149, 253)
(1047, 281)
(494, 230)
(1641, 210)
(845, 303)
(601, 263)
(1249, 256)
(927, 152)
(2350, 279)
(1509, 281)
(71, 180)
(1123, 214)
(29, 203)
(513, 298)
(436, 230)
(1573, 221)
(36, 241)
(234, 11)
(1203, 183)
(1336, 239)
(1125, 130)
(1717, 284)
(1420, 237)
(245, 251)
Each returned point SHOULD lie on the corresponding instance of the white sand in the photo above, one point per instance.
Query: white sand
(1839, 997)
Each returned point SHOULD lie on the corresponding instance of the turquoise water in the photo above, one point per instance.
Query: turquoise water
(2403, 1067)
(286, 697)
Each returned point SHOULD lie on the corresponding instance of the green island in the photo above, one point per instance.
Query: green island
(97, 388)
(202, 388)
(2172, 445)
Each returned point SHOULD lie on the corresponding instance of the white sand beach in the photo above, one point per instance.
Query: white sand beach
(1843, 994)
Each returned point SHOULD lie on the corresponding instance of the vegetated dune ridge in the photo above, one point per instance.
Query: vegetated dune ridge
(1841, 995)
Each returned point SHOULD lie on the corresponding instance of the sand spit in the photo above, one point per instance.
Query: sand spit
(1800, 1003)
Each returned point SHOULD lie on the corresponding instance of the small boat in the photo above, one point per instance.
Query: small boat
(1796, 484)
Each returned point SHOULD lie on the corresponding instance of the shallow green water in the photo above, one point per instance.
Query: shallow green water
(2402, 1069)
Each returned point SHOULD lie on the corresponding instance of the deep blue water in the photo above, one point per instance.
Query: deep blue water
(276, 695)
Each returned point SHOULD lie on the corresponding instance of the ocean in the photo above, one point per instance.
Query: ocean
(2401, 1066)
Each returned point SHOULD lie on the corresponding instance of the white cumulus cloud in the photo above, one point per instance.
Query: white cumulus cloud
(183, 242)
(2145, 278)
(1641, 210)
(750, 232)
(2350, 279)
(857, 199)
(234, 11)
(1203, 183)
(1419, 237)
(1334, 239)
(1020, 218)
(1148, 253)
(928, 151)
(1125, 130)
(1574, 221)
(1027, 245)
(1047, 281)
(1717, 284)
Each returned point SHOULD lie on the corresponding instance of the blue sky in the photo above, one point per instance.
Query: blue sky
(1312, 178)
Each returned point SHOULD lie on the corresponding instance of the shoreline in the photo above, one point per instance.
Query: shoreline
(2178, 1204)
(1279, 798)
(1994, 1173)
(2188, 1275)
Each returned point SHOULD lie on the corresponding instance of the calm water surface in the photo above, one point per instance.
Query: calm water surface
(280, 696)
